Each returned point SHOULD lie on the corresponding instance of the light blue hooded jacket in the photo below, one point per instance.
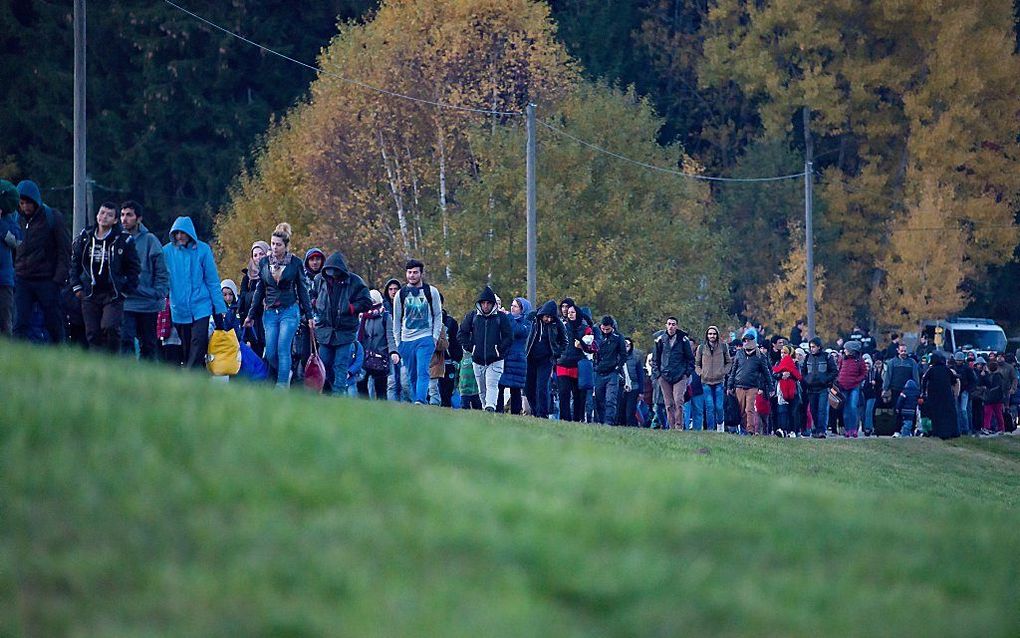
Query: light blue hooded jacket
(195, 290)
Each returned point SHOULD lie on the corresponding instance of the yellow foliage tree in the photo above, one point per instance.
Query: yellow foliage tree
(926, 264)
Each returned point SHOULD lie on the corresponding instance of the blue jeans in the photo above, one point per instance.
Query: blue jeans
(818, 403)
(963, 412)
(414, 366)
(784, 417)
(694, 413)
(908, 427)
(280, 325)
(715, 395)
(869, 415)
(851, 409)
(337, 360)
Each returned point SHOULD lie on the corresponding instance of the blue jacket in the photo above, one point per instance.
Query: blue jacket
(194, 282)
(515, 365)
(8, 224)
(153, 282)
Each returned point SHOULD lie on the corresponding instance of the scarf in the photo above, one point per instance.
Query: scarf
(277, 266)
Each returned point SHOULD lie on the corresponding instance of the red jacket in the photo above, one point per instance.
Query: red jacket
(787, 387)
(852, 372)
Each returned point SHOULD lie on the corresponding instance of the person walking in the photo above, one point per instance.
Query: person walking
(749, 378)
(417, 324)
(311, 266)
(10, 239)
(195, 292)
(340, 297)
(375, 333)
(40, 263)
(610, 366)
(579, 342)
(254, 336)
(143, 305)
(281, 301)
(788, 394)
(545, 344)
(849, 379)
(104, 269)
(712, 362)
(487, 334)
(968, 381)
(634, 383)
(672, 366)
(819, 371)
(899, 370)
(938, 400)
(515, 366)
(394, 388)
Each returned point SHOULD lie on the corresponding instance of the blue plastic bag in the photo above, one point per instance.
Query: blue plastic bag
(252, 365)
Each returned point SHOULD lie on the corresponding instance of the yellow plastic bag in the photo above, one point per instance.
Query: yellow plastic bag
(224, 355)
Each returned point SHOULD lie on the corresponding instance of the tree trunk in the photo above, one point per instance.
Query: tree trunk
(398, 199)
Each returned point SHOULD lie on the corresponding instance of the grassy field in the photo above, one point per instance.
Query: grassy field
(137, 501)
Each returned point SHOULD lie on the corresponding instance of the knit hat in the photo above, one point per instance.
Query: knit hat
(9, 197)
(853, 346)
(981, 361)
(376, 297)
(960, 356)
(229, 285)
(750, 334)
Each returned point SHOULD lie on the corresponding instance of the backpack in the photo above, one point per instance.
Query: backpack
(405, 292)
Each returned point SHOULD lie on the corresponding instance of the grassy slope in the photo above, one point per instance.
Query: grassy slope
(172, 506)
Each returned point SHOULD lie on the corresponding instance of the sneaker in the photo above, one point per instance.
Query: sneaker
(895, 435)
(779, 432)
(854, 434)
(490, 410)
(818, 436)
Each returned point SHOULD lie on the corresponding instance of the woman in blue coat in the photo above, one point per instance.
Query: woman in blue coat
(515, 366)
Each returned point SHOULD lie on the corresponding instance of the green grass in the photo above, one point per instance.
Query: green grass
(137, 501)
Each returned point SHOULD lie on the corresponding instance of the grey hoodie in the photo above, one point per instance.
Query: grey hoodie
(154, 280)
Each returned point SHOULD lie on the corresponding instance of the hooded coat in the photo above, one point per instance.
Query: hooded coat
(195, 291)
(121, 271)
(544, 337)
(45, 249)
(712, 363)
(8, 229)
(340, 296)
(939, 400)
(488, 336)
(515, 366)
(153, 280)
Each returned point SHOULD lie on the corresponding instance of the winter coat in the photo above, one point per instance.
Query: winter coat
(195, 290)
(515, 366)
(45, 247)
(898, 372)
(257, 333)
(672, 362)
(749, 371)
(8, 224)
(120, 272)
(153, 280)
(852, 372)
(787, 387)
(939, 400)
(635, 365)
(488, 336)
(712, 364)
(575, 331)
(906, 402)
(968, 378)
(818, 371)
(375, 332)
(873, 384)
(545, 337)
(612, 354)
(996, 386)
(290, 289)
(340, 296)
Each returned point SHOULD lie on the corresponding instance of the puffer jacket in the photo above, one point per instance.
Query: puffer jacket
(340, 296)
(852, 372)
(515, 366)
(195, 290)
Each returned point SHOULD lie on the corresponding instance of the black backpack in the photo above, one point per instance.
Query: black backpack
(405, 292)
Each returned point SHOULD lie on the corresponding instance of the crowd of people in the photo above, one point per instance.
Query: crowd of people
(118, 288)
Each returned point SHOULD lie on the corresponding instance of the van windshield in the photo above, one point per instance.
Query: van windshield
(991, 340)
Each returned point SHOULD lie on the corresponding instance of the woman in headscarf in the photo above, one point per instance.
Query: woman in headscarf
(255, 336)
(580, 338)
(938, 397)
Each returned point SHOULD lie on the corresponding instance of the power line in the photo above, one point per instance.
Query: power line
(337, 76)
(707, 178)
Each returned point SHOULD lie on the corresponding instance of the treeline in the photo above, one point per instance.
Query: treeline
(912, 112)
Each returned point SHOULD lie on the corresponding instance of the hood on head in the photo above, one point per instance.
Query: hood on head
(569, 301)
(230, 285)
(911, 384)
(313, 251)
(938, 358)
(549, 308)
(9, 197)
(392, 280)
(717, 331)
(335, 264)
(184, 225)
(525, 305)
(486, 295)
(30, 190)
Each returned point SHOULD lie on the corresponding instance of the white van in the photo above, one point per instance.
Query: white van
(968, 334)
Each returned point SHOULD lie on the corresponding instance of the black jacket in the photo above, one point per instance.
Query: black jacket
(819, 371)
(571, 354)
(680, 361)
(122, 271)
(750, 371)
(612, 354)
(45, 247)
(290, 289)
(340, 296)
(487, 336)
(454, 351)
(551, 334)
